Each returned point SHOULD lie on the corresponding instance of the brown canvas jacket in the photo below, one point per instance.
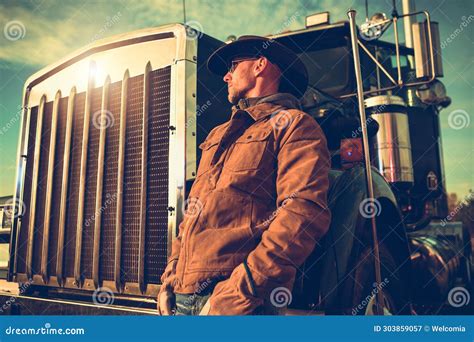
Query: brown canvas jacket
(257, 206)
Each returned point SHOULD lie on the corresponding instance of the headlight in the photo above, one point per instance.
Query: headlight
(433, 93)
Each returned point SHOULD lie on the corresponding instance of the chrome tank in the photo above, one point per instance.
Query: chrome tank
(391, 146)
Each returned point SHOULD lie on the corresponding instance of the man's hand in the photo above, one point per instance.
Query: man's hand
(205, 309)
(165, 299)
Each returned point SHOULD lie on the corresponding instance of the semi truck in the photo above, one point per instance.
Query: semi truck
(109, 147)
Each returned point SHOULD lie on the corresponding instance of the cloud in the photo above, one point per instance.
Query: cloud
(53, 31)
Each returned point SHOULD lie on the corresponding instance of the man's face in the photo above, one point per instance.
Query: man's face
(240, 79)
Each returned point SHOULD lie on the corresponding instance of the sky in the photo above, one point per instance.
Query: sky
(48, 30)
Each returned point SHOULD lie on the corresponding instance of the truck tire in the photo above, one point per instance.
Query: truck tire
(364, 288)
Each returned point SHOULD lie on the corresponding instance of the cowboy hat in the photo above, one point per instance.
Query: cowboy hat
(294, 78)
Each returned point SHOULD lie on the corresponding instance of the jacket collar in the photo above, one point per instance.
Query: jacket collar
(261, 107)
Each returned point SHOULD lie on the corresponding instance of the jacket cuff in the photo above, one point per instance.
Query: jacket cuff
(234, 295)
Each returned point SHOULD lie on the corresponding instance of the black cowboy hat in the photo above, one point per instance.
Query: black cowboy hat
(294, 78)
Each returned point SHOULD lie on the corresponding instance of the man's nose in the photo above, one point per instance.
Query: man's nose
(227, 77)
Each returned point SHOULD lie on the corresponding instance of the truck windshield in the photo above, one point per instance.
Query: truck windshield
(328, 69)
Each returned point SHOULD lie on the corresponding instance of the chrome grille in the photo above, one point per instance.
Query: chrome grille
(132, 254)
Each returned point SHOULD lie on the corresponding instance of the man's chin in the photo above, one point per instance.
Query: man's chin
(234, 99)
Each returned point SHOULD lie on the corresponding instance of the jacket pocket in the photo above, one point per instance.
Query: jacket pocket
(208, 149)
(222, 234)
(248, 151)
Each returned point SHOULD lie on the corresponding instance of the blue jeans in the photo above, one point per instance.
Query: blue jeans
(192, 304)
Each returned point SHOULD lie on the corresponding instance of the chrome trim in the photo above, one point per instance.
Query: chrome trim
(143, 192)
(384, 100)
(82, 179)
(128, 287)
(22, 161)
(34, 186)
(49, 187)
(65, 184)
(100, 182)
(120, 174)
(400, 82)
(182, 142)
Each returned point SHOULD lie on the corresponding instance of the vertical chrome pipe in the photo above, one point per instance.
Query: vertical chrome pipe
(365, 139)
(408, 6)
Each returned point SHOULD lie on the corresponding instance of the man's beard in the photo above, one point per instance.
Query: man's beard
(235, 96)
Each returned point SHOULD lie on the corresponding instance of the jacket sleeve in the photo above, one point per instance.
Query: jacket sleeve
(302, 217)
(167, 278)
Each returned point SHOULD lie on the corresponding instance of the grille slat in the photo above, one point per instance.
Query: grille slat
(41, 188)
(109, 198)
(56, 187)
(22, 248)
(90, 214)
(73, 188)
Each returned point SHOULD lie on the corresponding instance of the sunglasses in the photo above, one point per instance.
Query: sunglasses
(236, 62)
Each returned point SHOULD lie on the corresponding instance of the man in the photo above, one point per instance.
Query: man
(258, 204)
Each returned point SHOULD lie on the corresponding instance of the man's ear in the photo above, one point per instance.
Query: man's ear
(260, 65)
